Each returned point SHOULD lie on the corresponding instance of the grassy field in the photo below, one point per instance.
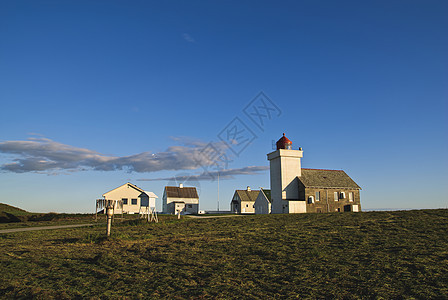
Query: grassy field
(348, 255)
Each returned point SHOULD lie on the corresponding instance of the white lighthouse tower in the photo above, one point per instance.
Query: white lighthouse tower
(285, 168)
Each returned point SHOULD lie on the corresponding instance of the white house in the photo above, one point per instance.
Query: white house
(132, 197)
(263, 202)
(243, 201)
(180, 199)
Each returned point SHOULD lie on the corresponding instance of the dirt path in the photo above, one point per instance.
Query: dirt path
(42, 228)
(210, 217)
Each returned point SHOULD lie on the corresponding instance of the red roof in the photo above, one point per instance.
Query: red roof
(283, 143)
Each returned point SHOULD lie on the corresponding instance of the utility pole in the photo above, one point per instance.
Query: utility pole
(218, 189)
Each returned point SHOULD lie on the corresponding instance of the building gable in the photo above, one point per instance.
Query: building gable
(124, 186)
(245, 195)
(267, 194)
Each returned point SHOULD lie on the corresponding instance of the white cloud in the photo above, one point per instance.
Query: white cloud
(223, 174)
(43, 155)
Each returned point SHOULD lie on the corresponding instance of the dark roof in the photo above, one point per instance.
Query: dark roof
(246, 195)
(136, 187)
(327, 179)
(181, 192)
(267, 193)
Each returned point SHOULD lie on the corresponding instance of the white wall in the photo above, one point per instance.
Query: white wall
(262, 205)
(296, 207)
(172, 205)
(128, 192)
(284, 168)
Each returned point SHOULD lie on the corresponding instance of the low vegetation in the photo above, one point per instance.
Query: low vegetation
(5, 208)
(348, 255)
(13, 217)
(10, 213)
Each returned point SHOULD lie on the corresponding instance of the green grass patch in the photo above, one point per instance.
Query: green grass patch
(379, 255)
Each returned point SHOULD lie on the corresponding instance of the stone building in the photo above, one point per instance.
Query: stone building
(297, 190)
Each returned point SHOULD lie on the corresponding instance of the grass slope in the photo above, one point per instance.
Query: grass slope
(12, 217)
(5, 208)
(349, 255)
(9, 214)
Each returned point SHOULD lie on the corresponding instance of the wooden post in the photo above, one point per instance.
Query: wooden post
(154, 215)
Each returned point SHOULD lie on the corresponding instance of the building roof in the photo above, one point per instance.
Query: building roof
(246, 195)
(283, 142)
(267, 193)
(150, 194)
(128, 184)
(327, 179)
(181, 192)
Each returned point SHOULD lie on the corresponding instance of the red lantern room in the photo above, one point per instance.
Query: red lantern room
(284, 143)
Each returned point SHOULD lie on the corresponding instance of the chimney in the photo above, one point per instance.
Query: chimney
(248, 188)
(181, 185)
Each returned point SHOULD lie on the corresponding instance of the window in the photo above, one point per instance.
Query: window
(350, 196)
(125, 201)
(342, 195)
(310, 199)
(134, 201)
(247, 205)
(337, 209)
(336, 196)
(317, 196)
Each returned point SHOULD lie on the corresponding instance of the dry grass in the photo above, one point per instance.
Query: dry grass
(350, 255)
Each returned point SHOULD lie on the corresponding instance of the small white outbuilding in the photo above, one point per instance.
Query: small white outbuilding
(243, 201)
(183, 200)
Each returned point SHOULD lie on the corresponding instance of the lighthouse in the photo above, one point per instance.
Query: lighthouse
(285, 168)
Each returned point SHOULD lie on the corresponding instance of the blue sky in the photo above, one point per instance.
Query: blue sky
(97, 93)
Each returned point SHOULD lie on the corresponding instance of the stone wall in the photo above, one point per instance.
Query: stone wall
(327, 202)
